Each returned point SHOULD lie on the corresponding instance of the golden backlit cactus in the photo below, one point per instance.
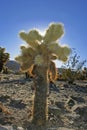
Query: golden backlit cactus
(53, 57)
(38, 58)
(48, 51)
(23, 35)
(52, 71)
(34, 35)
(66, 50)
(31, 38)
(54, 32)
(61, 52)
(55, 48)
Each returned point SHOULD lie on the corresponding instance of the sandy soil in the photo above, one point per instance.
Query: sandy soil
(67, 103)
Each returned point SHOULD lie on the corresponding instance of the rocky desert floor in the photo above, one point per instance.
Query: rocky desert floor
(67, 103)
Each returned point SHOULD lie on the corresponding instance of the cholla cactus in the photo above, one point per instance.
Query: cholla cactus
(39, 56)
(31, 38)
(3, 57)
(53, 33)
(39, 60)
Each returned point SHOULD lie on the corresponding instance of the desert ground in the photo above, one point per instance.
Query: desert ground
(67, 103)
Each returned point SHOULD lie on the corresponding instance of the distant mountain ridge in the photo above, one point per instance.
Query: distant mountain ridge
(13, 65)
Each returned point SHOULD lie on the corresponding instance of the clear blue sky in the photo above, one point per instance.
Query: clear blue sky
(17, 15)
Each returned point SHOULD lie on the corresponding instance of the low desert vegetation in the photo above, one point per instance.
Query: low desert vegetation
(74, 69)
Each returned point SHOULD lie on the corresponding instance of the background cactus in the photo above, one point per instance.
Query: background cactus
(4, 57)
(39, 56)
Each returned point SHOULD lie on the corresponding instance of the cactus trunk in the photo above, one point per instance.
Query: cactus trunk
(40, 109)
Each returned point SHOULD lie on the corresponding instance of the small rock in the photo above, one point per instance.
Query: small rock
(78, 99)
(4, 98)
(17, 104)
(54, 110)
(59, 104)
(63, 128)
(70, 103)
(5, 127)
(82, 111)
(20, 128)
(66, 86)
